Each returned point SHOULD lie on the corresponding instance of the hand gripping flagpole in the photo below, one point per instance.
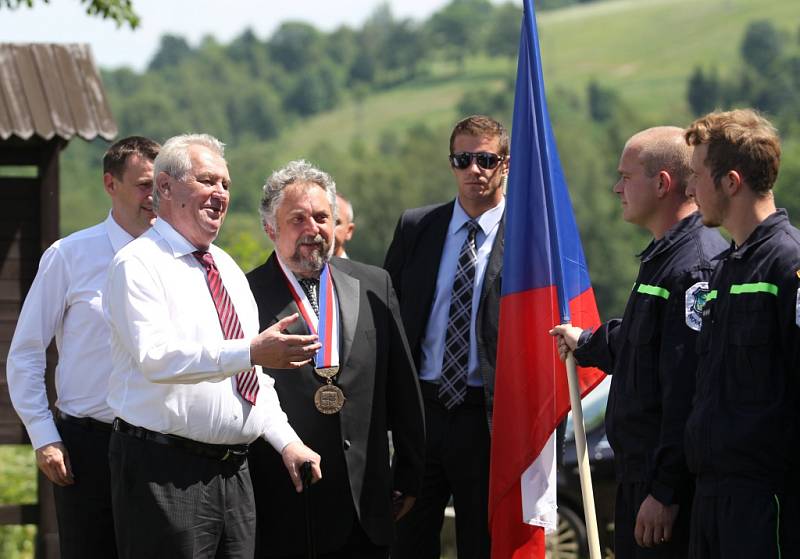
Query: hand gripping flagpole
(583, 458)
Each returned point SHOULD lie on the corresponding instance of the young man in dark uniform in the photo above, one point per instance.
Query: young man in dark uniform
(741, 436)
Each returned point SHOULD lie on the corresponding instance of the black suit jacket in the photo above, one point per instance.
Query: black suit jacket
(413, 263)
(379, 380)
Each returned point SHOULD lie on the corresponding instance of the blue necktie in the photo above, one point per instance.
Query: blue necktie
(453, 382)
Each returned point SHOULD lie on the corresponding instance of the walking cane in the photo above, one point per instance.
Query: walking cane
(305, 476)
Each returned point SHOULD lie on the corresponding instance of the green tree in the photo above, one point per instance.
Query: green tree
(295, 45)
(121, 11)
(602, 101)
(762, 45)
(703, 91)
(172, 50)
(453, 27)
(502, 38)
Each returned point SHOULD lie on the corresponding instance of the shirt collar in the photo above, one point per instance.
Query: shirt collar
(763, 231)
(116, 234)
(177, 242)
(673, 235)
(487, 221)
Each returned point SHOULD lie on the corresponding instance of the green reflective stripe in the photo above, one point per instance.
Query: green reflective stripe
(760, 287)
(653, 290)
(778, 526)
(711, 295)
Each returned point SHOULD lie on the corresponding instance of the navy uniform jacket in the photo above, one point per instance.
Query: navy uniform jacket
(651, 354)
(744, 420)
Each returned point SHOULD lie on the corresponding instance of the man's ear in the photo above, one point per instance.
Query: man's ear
(270, 232)
(664, 183)
(163, 186)
(108, 183)
(732, 182)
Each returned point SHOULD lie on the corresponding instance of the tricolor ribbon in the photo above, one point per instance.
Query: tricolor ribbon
(326, 326)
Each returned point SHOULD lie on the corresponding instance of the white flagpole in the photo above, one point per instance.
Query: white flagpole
(583, 459)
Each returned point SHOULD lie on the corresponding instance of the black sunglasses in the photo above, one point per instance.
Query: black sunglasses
(486, 160)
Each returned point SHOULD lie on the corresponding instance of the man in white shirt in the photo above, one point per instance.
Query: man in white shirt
(186, 388)
(65, 303)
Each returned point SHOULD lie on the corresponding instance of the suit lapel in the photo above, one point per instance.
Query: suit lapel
(495, 264)
(347, 291)
(431, 238)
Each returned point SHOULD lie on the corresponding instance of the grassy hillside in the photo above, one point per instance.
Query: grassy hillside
(645, 49)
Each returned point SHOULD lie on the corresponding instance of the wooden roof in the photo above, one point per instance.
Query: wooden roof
(52, 90)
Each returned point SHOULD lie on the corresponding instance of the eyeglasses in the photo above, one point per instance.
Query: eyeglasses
(485, 159)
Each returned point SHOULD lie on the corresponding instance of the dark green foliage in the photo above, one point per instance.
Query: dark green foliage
(121, 11)
(762, 45)
(703, 91)
(454, 28)
(503, 32)
(602, 102)
(295, 46)
(172, 51)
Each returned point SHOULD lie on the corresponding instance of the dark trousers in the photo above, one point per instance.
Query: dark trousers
(83, 510)
(358, 546)
(173, 504)
(630, 497)
(749, 524)
(457, 464)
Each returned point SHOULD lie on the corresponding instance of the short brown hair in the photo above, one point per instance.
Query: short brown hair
(116, 157)
(741, 140)
(481, 126)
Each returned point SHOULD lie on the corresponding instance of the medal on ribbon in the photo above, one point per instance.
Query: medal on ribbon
(329, 398)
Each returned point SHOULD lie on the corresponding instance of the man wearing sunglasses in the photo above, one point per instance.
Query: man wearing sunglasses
(446, 261)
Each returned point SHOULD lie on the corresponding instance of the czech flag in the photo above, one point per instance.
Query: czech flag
(545, 282)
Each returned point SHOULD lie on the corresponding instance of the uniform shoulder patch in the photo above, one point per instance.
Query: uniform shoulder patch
(696, 297)
(797, 308)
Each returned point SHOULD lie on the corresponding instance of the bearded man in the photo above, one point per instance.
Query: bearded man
(361, 384)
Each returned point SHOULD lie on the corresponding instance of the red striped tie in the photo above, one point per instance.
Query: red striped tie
(246, 381)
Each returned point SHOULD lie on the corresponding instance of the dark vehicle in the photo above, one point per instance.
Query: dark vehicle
(569, 541)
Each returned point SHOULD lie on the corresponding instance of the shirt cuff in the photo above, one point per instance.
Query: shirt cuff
(663, 493)
(43, 433)
(235, 355)
(584, 337)
(280, 436)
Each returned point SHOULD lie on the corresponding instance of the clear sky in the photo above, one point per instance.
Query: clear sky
(65, 21)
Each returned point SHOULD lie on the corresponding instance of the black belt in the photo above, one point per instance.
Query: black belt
(475, 395)
(88, 423)
(206, 450)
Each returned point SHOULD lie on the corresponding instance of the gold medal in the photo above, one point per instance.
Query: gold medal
(327, 372)
(329, 399)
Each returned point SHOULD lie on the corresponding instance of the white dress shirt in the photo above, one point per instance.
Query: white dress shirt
(173, 370)
(65, 302)
(433, 342)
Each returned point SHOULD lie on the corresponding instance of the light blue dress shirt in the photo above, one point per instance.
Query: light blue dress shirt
(433, 341)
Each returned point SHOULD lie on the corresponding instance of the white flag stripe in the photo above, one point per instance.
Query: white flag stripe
(538, 483)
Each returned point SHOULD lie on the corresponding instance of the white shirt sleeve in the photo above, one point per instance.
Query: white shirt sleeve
(42, 314)
(277, 431)
(138, 313)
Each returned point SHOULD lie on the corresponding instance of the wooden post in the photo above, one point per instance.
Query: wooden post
(47, 534)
